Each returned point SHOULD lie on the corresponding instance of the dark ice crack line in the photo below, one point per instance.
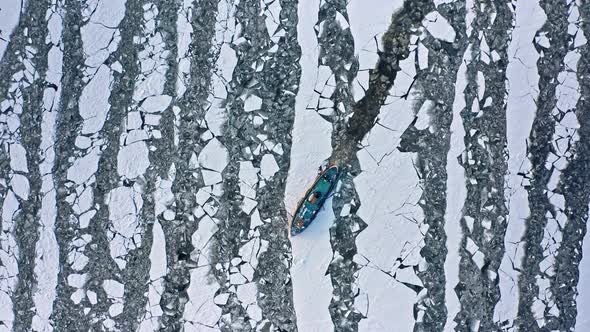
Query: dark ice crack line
(181, 214)
(92, 281)
(22, 112)
(574, 181)
(549, 142)
(251, 248)
(484, 218)
(432, 144)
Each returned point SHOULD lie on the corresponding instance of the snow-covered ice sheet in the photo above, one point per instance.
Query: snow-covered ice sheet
(154, 151)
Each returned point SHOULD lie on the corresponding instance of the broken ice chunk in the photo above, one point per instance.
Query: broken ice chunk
(84, 220)
(471, 247)
(210, 208)
(117, 67)
(542, 40)
(478, 258)
(570, 120)
(113, 288)
(423, 115)
(109, 324)
(221, 299)
(254, 312)
(207, 135)
(345, 210)
(247, 271)
(77, 296)
(248, 175)
(115, 309)
(278, 149)
(469, 222)
(408, 276)
(268, 166)
(135, 136)
(198, 212)
(20, 186)
(84, 168)
(91, 297)
(156, 104)
(18, 158)
(83, 142)
(77, 280)
(237, 279)
(210, 177)
(169, 215)
(132, 160)
(252, 103)
(214, 156)
(255, 220)
(248, 205)
(257, 121)
(152, 119)
(202, 196)
(438, 26)
(422, 56)
(215, 118)
(133, 120)
(205, 231)
(247, 293)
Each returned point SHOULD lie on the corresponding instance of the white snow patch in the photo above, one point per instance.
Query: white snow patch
(312, 288)
(10, 13)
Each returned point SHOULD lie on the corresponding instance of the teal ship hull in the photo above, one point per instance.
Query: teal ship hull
(314, 199)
